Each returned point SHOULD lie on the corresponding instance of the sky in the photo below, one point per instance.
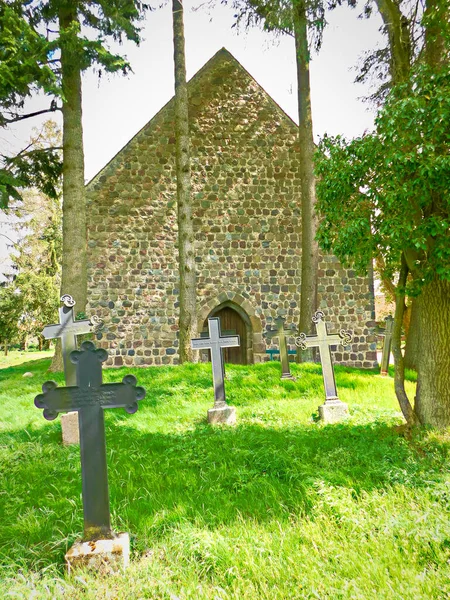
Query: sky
(116, 107)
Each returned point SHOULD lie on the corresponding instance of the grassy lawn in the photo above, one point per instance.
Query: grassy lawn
(17, 357)
(278, 507)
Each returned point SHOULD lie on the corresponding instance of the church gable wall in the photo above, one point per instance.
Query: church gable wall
(246, 191)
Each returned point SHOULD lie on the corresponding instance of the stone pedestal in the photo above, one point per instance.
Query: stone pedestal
(288, 376)
(333, 411)
(222, 414)
(102, 556)
(70, 429)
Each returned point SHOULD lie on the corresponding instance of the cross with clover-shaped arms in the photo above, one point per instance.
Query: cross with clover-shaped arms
(387, 334)
(323, 340)
(90, 397)
(281, 333)
(67, 330)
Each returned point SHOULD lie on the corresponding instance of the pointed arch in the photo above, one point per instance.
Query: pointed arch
(254, 347)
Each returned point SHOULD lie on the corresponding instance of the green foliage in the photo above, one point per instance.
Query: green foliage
(277, 507)
(30, 49)
(23, 59)
(32, 293)
(277, 16)
(39, 168)
(9, 317)
(387, 192)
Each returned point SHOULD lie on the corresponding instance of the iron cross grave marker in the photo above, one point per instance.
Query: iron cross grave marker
(67, 330)
(323, 340)
(387, 334)
(281, 333)
(90, 397)
(215, 342)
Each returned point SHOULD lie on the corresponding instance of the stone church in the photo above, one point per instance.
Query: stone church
(246, 190)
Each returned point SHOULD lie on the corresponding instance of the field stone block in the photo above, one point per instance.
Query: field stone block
(70, 428)
(105, 557)
(222, 414)
(333, 411)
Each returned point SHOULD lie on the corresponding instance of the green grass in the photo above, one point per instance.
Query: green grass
(278, 507)
(17, 357)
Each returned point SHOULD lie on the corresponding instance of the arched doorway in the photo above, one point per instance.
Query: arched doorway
(233, 321)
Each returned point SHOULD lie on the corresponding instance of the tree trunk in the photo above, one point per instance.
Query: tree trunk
(413, 349)
(399, 372)
(436, 15)
(74, 244)
(310, 248)
(6, 347)
(433, 381)
(39, 343)
(398, 29)
(186, 240)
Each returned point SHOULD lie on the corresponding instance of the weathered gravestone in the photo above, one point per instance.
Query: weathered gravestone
(333, 409)
(90, 397)
(282, 334)
(387, 334)
(67, 330)
(221, 413)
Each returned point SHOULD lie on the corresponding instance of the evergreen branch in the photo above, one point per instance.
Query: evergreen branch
(17, 118)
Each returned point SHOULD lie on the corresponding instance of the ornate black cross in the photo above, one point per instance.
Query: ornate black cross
(323, 340)
(281, 333)
(90, 397)
(387, 334)
(67, 329)
(215, 342)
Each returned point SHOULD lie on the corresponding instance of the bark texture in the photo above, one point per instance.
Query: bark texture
(310, 247)
(437, 13)
(413, 349)
(186, 240)
(397, 26)
(433, 382)
(74, 245)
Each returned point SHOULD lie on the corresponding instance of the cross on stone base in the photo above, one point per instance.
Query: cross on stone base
(387, 334)
(281, 333)
(90, 397)
(221, 413)
(67, 330)
(333, 409)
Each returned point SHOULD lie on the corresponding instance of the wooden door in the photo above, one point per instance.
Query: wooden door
(231, 323)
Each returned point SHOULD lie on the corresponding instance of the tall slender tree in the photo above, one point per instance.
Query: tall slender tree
(74, 263)
(186, 240)
(304, 20)
(310, 247)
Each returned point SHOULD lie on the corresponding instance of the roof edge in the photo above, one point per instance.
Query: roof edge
(222, 52)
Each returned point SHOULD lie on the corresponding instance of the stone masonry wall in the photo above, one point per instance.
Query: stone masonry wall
(247, 220)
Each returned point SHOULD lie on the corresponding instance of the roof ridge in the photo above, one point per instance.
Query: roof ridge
(221, 53)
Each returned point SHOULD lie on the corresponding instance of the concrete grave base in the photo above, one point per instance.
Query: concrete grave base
(291, 377)
(222, 414)
(333, 411)
(70, 429)
(103, 556)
